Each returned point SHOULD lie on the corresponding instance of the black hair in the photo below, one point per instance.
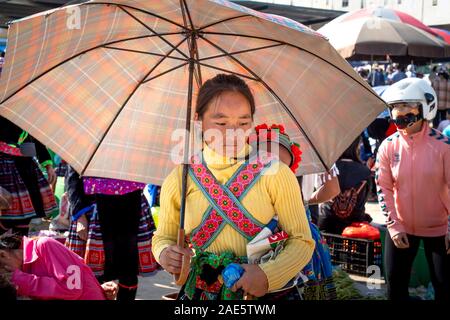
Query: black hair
(214, 87)
(10, 242)
(352, 151)
(444, 74)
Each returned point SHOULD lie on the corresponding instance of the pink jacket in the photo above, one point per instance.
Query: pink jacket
(413, 179)
(50, 271)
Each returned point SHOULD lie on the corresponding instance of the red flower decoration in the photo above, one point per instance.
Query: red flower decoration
(212, 225)
(245, 178)
(245, 226)
(236, 215)
(236, 188)
(261, 127)
(295, 148)
(224, 202)
(201, 235)
(207, 181)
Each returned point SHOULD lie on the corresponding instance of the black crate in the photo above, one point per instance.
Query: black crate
(354, 255)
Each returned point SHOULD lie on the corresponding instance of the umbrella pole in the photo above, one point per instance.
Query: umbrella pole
(180, 279)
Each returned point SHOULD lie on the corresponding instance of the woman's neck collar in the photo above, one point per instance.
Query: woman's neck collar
(213, 157)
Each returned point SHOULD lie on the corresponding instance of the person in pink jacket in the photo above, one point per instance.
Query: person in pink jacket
(413, 180)
(44, 269)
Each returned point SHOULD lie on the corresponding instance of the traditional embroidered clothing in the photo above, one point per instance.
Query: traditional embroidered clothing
(93, 250)
(21, 176)
(30, 191)
(120, 233)
(275, 192)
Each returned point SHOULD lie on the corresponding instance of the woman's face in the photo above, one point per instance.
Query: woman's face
(403, 109)
(227, 123)
(11, 260)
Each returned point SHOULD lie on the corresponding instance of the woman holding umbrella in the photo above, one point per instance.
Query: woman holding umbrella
(228, 201)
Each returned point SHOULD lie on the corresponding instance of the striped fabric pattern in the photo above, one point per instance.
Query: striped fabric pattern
(22, 206)
(92, 250)
(105, 85)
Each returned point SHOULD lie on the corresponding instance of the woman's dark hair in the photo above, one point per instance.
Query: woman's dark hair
(443, 74)
(10, 242)
(221, 83)
(352, 151)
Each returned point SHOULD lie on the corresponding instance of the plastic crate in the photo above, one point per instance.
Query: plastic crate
(354, 255)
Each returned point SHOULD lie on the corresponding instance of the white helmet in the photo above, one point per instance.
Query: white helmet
(413, 90)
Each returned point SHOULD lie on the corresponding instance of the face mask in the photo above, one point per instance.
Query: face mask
(406, 120)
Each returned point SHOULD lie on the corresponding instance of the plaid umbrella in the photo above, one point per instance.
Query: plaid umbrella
(105, 84)
(364, 35)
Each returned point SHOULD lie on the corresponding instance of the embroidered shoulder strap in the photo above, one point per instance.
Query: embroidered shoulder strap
(225, 202)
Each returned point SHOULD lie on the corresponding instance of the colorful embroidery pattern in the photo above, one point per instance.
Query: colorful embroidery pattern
(5, 148)
(225, 206)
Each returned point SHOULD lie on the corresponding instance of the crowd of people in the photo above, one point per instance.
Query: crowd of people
(112, 237)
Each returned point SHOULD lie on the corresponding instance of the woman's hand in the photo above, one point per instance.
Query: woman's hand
(82, 227)
(171, 258)
(253, 281)
(51, 174)
(110, 289)
(401, 240)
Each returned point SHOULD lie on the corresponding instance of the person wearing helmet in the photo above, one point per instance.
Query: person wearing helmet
(413, 186)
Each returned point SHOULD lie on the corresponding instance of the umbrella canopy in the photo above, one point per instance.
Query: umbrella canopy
(444, 34)
(366, 37)
(386, 13)
(106, 84)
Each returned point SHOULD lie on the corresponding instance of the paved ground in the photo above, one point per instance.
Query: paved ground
(155, 286)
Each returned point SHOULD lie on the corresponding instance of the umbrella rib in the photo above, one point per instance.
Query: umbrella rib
(153, 31)
(77, 55)
(224, 20)
(242, 51)
(167, 71)
(145, 52)
(225, 70)
(188, 13)
(137, 9)
(273, 93)
(183, 15)
(125, 103)
(294, 46)
(185, 11)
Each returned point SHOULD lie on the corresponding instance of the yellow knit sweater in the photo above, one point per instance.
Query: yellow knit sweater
(272, 194)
